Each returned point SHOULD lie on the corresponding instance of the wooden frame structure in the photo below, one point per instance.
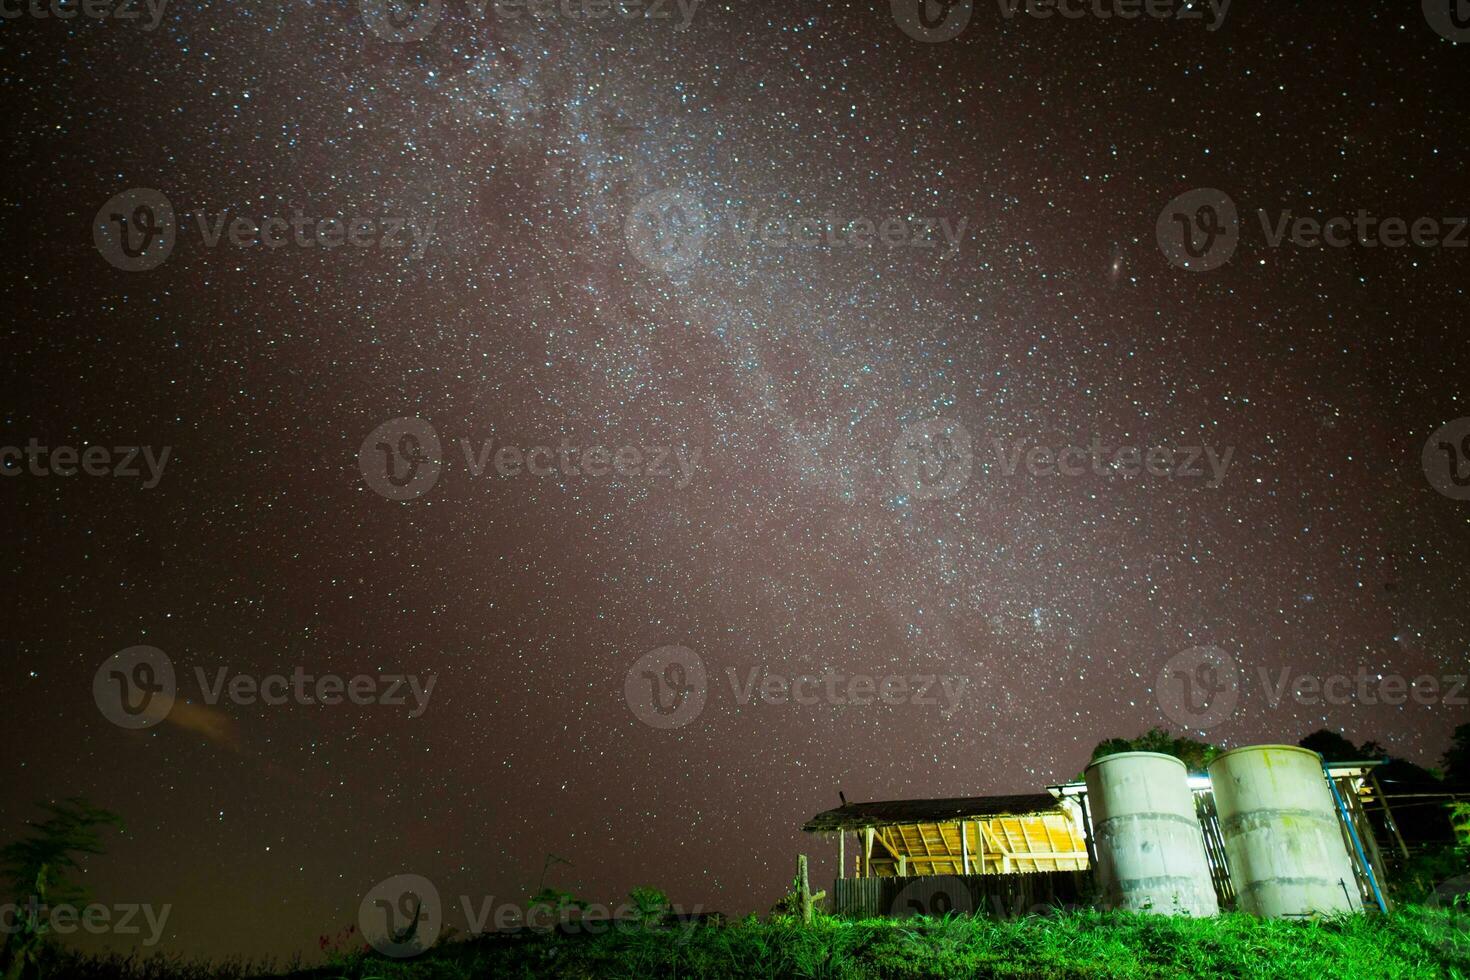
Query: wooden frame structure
(981, 835)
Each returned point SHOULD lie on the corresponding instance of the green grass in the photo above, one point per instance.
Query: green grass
(1413, 942)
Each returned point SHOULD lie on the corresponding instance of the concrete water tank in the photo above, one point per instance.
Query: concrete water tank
(1150, 849)
(1283, 841)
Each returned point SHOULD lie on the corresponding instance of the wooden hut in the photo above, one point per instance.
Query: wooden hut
(997, 854)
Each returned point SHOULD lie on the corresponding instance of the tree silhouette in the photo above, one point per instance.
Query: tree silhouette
(36, 868)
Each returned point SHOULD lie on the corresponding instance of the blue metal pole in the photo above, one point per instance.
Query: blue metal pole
(1353, 833)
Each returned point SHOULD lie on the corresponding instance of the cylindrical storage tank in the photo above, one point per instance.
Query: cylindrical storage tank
(1150, 849)
(1283, 840)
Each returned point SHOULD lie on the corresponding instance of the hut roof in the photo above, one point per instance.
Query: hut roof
(888, 813)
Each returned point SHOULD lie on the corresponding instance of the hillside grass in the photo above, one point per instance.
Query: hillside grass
(1413, 942)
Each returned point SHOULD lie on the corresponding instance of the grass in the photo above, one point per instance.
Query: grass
(1413, 942)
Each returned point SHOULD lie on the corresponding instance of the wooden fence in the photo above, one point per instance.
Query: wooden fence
(995, 896)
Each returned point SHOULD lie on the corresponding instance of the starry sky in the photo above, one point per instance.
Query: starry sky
(795, 546)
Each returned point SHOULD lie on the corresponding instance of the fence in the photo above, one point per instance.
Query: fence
(997, 896)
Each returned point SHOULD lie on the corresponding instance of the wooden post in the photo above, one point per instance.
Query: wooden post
(805, 898)
(1388, 814)
(980, 846)
(842, 854)
(964, 849)
(867, 852)
(1087, 834)
(903, 866)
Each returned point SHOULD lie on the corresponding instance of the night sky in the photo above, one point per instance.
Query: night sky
(597, 275)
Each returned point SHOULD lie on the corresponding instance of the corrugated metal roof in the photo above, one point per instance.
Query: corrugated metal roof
(886, 813)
